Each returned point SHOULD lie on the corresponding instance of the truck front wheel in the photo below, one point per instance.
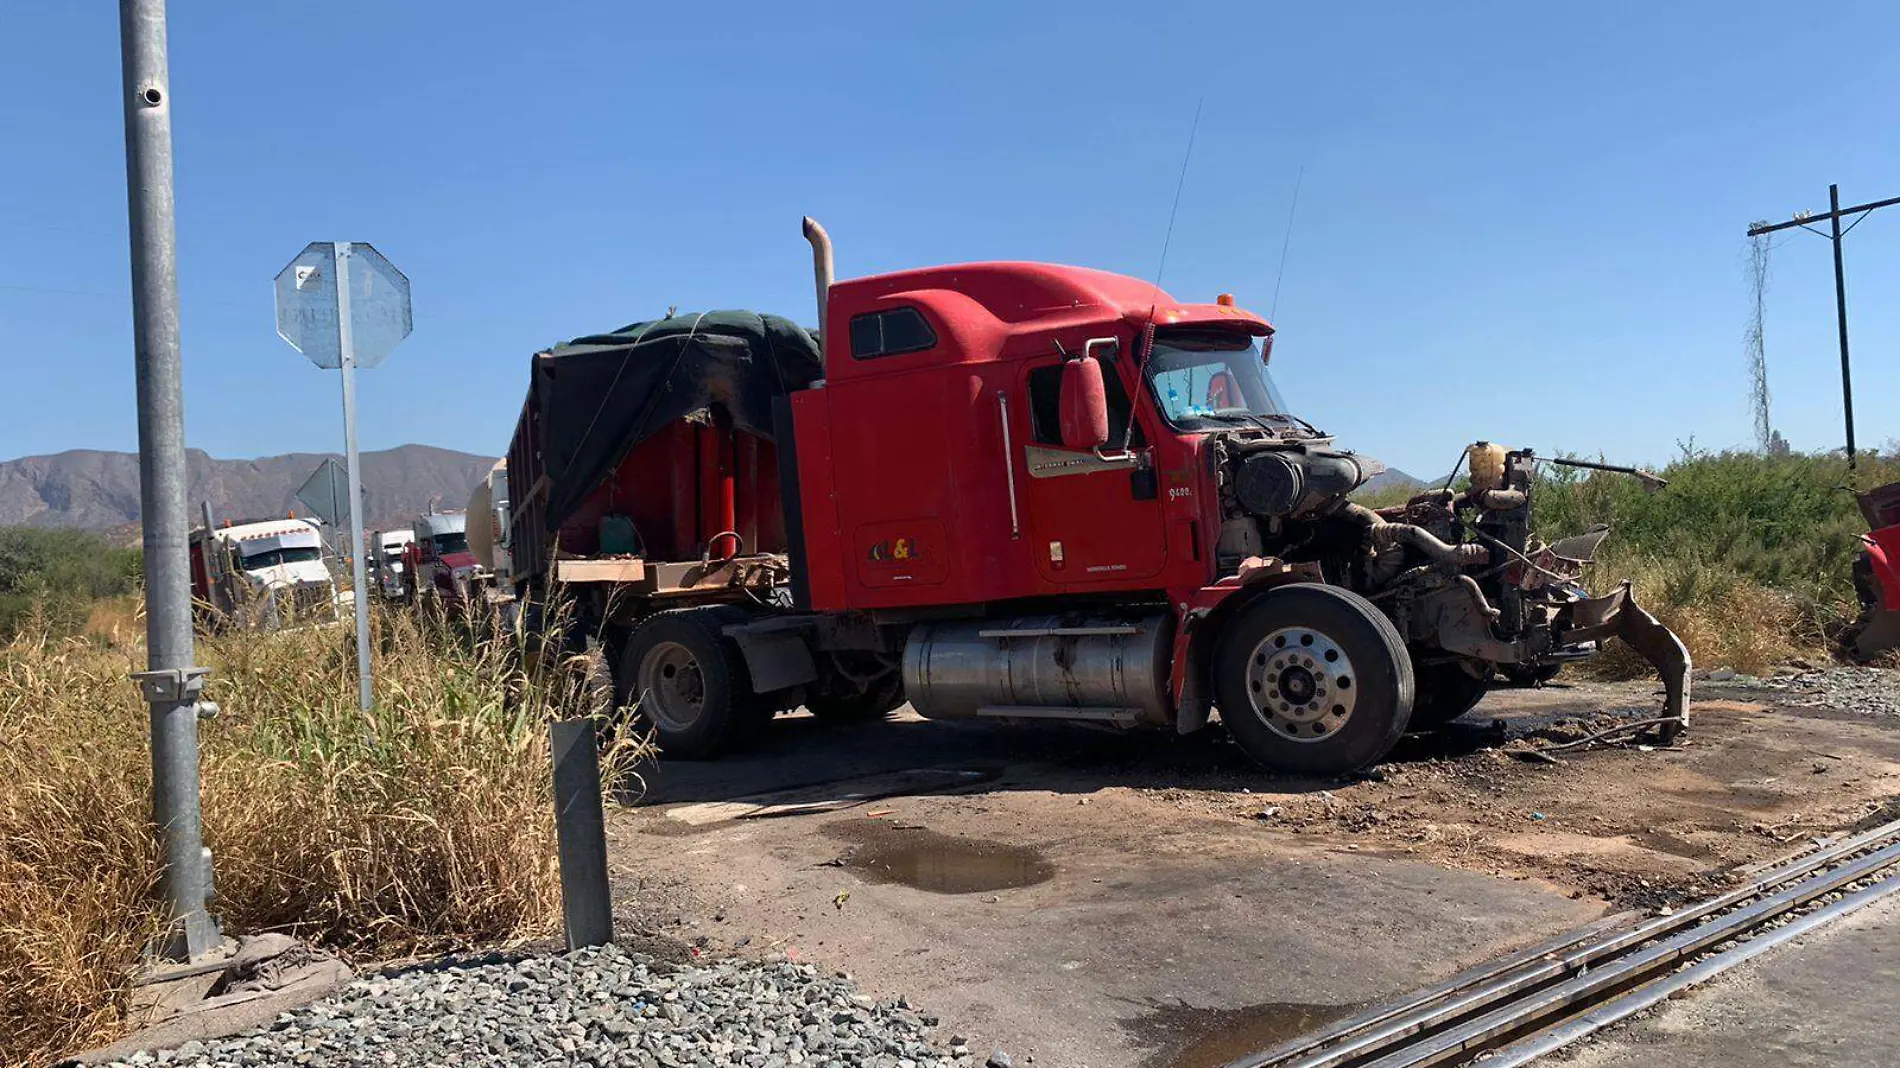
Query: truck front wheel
(1313, 680)
(1445, 692)
(687, 681)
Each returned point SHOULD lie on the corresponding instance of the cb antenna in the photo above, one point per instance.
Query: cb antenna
(1273, 310)
(1148, 335)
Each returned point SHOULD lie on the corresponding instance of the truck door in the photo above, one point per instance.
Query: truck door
(1091, 521)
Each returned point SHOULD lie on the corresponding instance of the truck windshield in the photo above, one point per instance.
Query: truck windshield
(1207, 379)
(455, 542)
(273, 557)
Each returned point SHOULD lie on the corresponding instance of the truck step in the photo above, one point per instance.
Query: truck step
(1121, 717)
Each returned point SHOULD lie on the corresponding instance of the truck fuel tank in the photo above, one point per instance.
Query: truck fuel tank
(1106, 669)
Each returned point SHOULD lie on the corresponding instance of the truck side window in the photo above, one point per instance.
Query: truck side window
(1045, 407)
(890, 333)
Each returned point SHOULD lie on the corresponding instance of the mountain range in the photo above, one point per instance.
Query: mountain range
(93, 490)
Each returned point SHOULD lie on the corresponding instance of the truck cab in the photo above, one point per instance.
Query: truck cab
(265, 573)
(388, 562)
(956, 473)
(440, 559)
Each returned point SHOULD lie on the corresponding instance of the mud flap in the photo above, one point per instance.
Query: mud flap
(1875, 633)
(1618, 615)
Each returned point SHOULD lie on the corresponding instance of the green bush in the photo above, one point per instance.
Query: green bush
(61, 573)
(1749, 556)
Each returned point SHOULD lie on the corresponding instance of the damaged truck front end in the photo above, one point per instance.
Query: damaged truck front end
(1516, 606)
(1471, 590)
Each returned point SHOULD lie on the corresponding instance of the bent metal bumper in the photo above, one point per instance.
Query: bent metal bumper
(1619, 616)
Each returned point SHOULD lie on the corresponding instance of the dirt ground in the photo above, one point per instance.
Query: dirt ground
(1108, 900)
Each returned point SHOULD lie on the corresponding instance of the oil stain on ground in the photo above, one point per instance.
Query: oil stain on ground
(1187, 1037)
(939, 863)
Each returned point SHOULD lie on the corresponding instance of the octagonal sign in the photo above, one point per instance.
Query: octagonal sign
(378, 301)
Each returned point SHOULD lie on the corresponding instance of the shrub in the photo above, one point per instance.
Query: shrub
(1748, 557)
(59, 573)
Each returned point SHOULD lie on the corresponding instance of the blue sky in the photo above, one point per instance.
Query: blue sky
(1517, 222)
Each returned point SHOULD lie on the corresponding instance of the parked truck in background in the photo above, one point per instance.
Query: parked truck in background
(262, 573)
(1020, 491)
(443, 568)
(489, 536)
(388, 563)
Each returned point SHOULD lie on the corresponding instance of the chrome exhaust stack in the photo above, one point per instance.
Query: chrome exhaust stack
(821, 265)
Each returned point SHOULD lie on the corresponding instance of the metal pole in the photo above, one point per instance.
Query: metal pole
(581, 834)
(1840, 310)
(346, 348)
(172, 680)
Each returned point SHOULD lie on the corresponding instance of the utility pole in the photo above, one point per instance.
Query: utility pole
(172, 681)
(1834, 215)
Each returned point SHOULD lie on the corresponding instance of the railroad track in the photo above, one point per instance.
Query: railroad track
(1511, 1011)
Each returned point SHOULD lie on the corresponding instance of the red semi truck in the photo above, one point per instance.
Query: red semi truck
(1020, 491)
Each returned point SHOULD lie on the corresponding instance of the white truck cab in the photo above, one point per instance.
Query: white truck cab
(267, 573)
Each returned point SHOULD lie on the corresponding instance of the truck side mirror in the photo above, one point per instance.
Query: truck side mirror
(1223, 391)
(1084, 405)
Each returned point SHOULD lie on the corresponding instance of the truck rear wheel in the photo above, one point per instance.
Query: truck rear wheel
(687, 681)
(1313, 680)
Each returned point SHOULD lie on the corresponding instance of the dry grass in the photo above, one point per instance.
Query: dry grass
(1726, 619)
(422, 826)
(116, 621)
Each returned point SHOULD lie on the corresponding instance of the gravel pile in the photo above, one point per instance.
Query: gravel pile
(1865, 690)
(600, 1007)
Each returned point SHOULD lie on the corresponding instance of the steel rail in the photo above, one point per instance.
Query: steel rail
(1366, 1034)
(1529, 1049)
(1469, 1036)
(1431, 995)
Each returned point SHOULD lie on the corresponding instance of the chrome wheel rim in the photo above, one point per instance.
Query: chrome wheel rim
(672, 688)
(1302, 684)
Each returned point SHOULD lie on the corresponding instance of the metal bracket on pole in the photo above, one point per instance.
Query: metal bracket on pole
(177, 686)
(172, 685)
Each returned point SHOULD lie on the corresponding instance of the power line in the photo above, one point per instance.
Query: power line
(1834, 234)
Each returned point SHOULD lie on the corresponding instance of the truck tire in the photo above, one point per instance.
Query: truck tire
(1314, 680)
(1444, 692)
(687, 681)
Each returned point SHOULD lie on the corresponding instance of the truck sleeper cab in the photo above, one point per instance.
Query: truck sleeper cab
(1020, 490)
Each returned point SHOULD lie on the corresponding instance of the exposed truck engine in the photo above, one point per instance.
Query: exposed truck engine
(1020, 491)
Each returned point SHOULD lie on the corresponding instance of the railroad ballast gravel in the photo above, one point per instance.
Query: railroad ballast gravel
(601, 1007)
(1867, 691)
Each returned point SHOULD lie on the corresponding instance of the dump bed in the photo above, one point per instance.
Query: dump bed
(655, 439)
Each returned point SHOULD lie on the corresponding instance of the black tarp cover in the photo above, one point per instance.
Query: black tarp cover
(600, 395)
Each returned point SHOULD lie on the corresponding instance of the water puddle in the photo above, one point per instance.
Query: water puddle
(939, 863)
(1188, 1037)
